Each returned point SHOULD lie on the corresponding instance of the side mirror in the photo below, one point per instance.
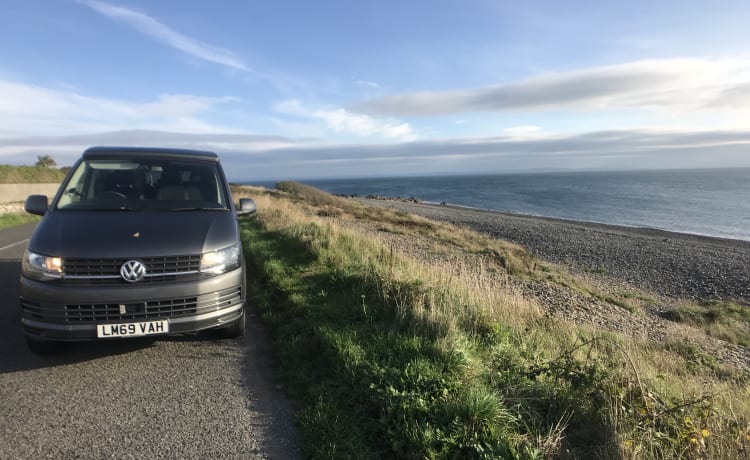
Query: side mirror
(247, 206)
(36, 204)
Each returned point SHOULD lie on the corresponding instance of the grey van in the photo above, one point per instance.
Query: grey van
(136, 242)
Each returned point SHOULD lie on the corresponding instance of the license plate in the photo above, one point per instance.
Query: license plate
(132, 329)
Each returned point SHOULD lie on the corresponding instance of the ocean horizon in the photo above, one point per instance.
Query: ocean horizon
(708, 202)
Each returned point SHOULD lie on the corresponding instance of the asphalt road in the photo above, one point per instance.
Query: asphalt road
(183, 397)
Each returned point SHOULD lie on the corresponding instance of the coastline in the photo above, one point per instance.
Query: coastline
(678, 265)
(637, 228)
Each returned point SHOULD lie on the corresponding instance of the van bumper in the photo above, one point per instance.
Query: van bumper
(56, 311)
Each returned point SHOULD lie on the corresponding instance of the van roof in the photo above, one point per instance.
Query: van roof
(100, 153)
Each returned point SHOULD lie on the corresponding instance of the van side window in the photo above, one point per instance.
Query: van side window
(76, 187)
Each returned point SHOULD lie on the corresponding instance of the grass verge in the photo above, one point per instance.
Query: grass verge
(387, 357)
(30, 174)
(13, 219)
(727, 321)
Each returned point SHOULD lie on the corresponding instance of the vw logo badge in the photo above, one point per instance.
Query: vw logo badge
(133, 271)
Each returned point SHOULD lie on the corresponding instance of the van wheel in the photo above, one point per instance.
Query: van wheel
(42, 347)
(236, 329)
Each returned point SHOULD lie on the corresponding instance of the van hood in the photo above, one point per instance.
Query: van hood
(116, 234)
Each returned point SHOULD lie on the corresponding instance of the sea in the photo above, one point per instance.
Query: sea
(710, 202)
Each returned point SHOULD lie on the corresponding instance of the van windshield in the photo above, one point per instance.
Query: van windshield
(138, 185)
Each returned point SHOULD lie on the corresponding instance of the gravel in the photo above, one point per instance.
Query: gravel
(14, 207)
(172, 398)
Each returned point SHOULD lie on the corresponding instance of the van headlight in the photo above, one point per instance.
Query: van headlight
(224, 260)
(42, 268)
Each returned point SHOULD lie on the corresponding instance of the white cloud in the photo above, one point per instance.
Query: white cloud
(66, 148)
(150, 26)
(342, 121)
(627, 149)
(271, 157)
(33, 110)
(671, 84)
(367, 84)
(290, 107)
(522, 130)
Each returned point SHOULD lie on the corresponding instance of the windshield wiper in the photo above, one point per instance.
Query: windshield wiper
(198, 208)
(120, 208)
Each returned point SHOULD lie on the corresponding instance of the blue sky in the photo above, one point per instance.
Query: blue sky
(290, 89)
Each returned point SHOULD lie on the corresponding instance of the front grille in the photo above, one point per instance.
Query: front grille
(92, 267)
(107, 271)
(153, 309)
(132, 311)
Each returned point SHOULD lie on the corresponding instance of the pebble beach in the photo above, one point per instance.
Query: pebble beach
(671, 264)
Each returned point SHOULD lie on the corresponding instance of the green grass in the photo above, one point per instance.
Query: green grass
(696, 361)
(386, 357)
(30, 174)
(506, 256)
(724, 320)
(12, 219)
(378, 382)
(312, 195)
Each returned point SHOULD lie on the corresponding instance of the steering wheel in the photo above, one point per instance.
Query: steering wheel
(115, 193)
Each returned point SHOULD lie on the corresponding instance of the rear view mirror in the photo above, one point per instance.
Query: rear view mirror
(36, 204)
(247, 206)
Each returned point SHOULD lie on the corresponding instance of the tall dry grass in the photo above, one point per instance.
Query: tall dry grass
(661, 403)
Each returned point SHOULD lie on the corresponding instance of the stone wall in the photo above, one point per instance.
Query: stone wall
(18, 192)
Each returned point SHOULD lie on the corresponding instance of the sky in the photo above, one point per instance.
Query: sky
(335, 88)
